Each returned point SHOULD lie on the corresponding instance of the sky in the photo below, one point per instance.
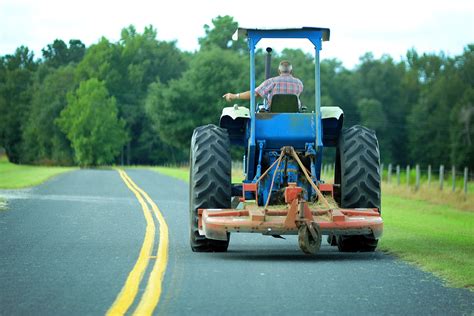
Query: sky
(381, 27)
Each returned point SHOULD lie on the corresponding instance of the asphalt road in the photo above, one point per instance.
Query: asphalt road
(67, 247)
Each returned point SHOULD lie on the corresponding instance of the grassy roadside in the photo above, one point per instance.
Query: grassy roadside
(434, 182)
(19, 176)
(183, 173)
(179, 173)
(437, 238)
(433, 195)
(429, 193)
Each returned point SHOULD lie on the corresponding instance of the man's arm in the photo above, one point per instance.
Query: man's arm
(238, 96)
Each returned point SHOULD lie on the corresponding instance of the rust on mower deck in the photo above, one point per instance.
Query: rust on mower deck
(287, 220)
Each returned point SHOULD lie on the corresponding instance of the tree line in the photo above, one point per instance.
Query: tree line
(137, 101)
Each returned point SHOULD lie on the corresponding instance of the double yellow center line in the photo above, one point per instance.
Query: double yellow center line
(152, 293)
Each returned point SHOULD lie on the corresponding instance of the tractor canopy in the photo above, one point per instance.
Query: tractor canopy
(314, 34)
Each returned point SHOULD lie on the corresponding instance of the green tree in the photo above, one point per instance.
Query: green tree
(338, 87)
(429, 117)
(128, 68)
(373, 116)
(462, 131)
(77, 50)
(15, 89)
(44, 142)
(59, 54)
(144, 60)
(462, 114)
(196, 98)
(381, 81)
(220, 35)
(90, 123)
(102, 61)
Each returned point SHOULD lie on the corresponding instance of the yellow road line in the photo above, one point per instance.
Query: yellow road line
(129, 291)
(152, 293)
(153, 289)
(151, 296)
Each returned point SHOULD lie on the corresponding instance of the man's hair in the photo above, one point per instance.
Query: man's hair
(285, 67)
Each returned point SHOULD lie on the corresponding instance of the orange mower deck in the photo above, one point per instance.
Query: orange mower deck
(296, 218)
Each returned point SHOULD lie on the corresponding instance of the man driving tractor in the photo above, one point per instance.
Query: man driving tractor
(285, 83)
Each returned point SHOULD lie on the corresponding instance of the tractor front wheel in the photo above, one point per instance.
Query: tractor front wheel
(358, 176)
(209, 181)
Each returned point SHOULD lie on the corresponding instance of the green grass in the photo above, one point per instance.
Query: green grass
(437, 238)
(179, 173)
(447, 184)
(456, 200)
(182, 173)
(19, 176)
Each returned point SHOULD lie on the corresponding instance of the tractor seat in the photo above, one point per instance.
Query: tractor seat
(285, 103)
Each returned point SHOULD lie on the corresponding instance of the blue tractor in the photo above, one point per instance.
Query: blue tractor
(282, 192)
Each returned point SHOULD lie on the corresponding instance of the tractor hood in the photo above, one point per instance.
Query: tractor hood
(235, 119)
(236, 111)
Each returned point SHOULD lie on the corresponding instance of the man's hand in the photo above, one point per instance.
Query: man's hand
(229, 96)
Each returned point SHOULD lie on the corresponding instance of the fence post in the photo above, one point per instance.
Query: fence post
(389, 173)
(417, 185)
(408, 176)
(454, 178)
(441, 177)
(466, 176)
(398, 175)
(429, 175)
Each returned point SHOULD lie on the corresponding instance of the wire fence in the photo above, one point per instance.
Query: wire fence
(451, 178)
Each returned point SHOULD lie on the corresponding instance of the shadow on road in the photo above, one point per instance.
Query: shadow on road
(295, 255)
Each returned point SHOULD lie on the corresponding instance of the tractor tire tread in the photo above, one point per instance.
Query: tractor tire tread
(210, 181)
(359, 177)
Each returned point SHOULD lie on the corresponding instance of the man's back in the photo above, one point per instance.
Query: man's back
(282, 84)
(285, 83)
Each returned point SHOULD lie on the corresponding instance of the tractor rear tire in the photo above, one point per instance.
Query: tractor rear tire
(209, 181)
(358, 174)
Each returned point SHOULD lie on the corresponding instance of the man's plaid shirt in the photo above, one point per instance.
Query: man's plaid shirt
(283, 84)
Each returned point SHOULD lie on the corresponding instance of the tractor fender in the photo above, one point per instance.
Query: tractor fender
(332, 118)
(235, 119)
(235, 112)
(328, 112)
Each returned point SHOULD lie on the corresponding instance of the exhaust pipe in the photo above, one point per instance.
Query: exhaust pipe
(268, 62)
